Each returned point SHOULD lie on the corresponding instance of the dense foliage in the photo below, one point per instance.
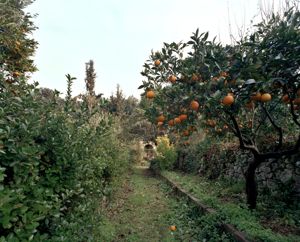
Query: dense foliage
(166, 154)
(52, 162)
(247, 92)
(59, 158)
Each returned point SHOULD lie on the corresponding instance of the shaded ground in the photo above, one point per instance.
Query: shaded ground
(141, 210)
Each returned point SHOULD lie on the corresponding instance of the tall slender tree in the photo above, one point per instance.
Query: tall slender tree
(90, 78)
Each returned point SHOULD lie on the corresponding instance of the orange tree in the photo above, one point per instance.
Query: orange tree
(251, 88)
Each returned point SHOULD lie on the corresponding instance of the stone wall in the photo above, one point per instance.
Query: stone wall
(272, 174)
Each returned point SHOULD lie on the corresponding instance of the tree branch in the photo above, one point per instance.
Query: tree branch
(280, 154)
(279, 129)
(295, 116)
(239, 135)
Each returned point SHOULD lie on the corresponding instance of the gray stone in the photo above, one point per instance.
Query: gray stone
(286, 176)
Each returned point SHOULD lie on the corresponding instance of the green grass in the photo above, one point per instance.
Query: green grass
(230, 210)
(144, 208)
(140, 211)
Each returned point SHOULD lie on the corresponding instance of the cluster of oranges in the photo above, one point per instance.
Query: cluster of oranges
(227, 100)
(194, 106)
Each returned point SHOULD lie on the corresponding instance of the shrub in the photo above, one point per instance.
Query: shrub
(166, 154)
(55, 164)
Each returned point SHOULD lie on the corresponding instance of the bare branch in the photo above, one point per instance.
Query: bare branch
(244, 144)
(280, 154)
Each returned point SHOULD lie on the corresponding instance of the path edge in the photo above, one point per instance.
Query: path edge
(235, 233)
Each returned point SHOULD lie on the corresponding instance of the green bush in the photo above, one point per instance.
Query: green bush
(55, 164)
(166, 154)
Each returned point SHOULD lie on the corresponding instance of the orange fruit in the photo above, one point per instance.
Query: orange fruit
(266, 97)
(150, 94)
(171, 122)
(256, 96)
(161, 118)
(186, 133)
(285, 98)
(228, 100)
(211, 122)
(16, 74)
(183, 117)
(297, 101)
(172, 79)
(194, 105)
(157, 62)
(192, 128)
(173, 228)
(177, 120)
(186, 143)
(219, 130)
(195, 77)
(224, 74)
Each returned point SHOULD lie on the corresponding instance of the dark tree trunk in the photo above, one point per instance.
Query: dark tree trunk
(180, 160)
(251, 185)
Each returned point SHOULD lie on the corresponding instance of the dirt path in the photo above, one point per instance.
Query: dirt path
(141, 210)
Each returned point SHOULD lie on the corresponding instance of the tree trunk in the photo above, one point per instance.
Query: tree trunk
(251, 185)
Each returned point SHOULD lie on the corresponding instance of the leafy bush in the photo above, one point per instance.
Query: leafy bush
(55, 164)
(166, 154)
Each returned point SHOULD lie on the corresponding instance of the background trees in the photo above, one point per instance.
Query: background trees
(16, 44)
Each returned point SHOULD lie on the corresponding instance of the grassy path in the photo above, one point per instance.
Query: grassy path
(141, 210)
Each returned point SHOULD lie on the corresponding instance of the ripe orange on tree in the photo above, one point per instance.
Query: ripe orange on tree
(192, 128)
(171, 122)
(285, 98)
(172, 228)
(172, 78)
(177, 120)
(160, 123)
(183, 117)
(157, 62)
(186, 143)
(256, 96)
(228, 100)
(185, 133)
(297, 101)
(266, 97)
(16, 74)
(194, 105)
(211, 123)
(195, 77)
(161, 118)
(150, 94)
